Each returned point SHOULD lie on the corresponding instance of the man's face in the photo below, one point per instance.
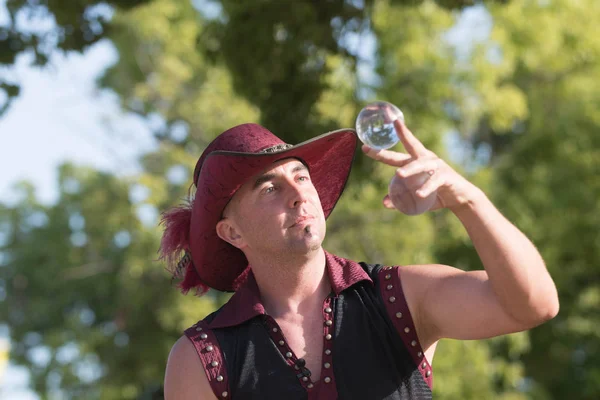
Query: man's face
(277, 211)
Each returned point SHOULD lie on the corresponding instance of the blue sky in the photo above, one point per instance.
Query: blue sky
(61, 115)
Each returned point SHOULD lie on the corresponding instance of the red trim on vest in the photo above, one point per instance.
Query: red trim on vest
(390, 287)
(326, 386)
(207, 347)
(288, 355)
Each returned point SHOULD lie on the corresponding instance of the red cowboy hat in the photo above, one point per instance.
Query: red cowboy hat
(230, 160)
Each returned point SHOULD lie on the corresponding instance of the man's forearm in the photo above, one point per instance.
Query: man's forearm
(515, 268)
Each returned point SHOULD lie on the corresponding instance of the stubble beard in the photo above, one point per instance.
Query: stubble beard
(310, 240)
(315, 244)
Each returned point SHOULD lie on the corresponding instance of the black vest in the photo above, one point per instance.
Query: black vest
(370, 358)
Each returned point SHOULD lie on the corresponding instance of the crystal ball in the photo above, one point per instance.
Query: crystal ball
(375, 125)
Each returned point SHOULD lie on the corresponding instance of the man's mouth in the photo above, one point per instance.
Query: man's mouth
(302, 221)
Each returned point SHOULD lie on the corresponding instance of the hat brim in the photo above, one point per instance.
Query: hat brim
(222, 266)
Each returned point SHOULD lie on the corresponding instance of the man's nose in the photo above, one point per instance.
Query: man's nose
(298, 194)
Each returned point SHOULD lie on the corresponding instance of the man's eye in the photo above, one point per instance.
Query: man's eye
(303, 178)
(270, 189)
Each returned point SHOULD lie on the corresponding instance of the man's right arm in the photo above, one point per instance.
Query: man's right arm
(185, 378)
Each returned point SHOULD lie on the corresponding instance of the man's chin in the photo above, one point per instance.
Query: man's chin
(307, 244)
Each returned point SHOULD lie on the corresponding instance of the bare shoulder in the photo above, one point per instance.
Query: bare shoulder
(185, 377)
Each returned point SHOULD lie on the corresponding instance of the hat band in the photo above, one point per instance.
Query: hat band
(276, 148)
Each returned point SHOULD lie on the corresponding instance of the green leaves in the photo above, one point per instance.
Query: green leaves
(77, 276)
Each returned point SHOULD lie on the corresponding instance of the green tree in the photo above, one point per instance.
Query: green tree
(90, 310)
(114, 313)
(547, 156)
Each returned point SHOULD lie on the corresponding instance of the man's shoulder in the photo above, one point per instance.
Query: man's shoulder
(183, 353)
(185, 377)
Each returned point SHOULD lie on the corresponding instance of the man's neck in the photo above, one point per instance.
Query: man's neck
(293, 286)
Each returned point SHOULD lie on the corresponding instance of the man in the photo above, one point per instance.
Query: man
(306, 324)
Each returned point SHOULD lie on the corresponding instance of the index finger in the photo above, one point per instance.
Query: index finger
(412, 145)
(388, 157)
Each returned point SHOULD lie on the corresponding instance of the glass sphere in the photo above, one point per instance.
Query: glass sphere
(375, 125)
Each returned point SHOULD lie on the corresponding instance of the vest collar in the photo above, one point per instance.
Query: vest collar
(246, 304)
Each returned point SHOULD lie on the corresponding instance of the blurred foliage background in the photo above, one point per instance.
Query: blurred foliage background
(514, 104)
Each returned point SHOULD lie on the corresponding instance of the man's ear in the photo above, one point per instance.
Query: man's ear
(227, 231)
